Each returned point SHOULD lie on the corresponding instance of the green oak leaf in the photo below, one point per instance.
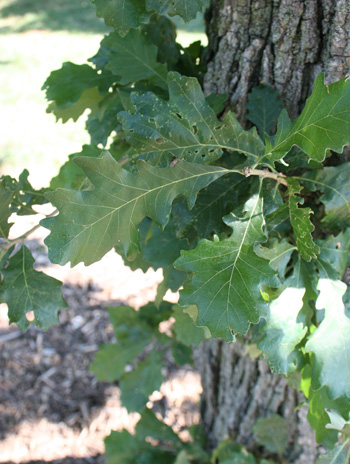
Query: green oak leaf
(127, 14)
(185, 127)
(136, 386)
(66, 85)
(300, 220)
(124, 448)
(70, 174)
(25, 196)
(271, 432)
(163, 247)
(111, 359)
(132, 334)
(337, 422)
(335, 251)
(181, 353)
(282, 332)
(162, 33)
(151, 427)
(335, 185)
(278, 253)
(6, 196)
(92, 222)
(323, 125)
(278, 221)
(183, 458)
(339, 455)
(89, 99)
(263, 107)
(23, 290)
(229, 452)
(330, 342)
(18, 196)
(122, 14)
(319, 402)
(212, 204)
(216, 102)
(228, 275)
(101, 124)
(185, 329)
(172, 279)
(187, 9)
(134, 58)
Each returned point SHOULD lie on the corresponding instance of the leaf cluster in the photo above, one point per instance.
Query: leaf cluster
(252, 225)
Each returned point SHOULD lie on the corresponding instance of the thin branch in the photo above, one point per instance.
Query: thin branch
(30, 231)
(278, 177)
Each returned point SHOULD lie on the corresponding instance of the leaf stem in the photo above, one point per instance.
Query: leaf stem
(278, 177)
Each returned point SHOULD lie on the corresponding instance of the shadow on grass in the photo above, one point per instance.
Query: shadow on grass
(54, 15)
(98, 459)
(65, 15)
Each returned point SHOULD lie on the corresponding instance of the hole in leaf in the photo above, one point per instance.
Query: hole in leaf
(217, 127)
(179, 115)
(197, 151)
(131, 130)
(195, 129)
(159, 140)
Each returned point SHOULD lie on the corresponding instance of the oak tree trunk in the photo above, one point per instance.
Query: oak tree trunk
(285, 44)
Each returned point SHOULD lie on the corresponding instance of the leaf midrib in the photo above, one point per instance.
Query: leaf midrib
(135, 199)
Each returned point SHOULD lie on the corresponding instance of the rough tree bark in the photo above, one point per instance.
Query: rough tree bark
(286, 44)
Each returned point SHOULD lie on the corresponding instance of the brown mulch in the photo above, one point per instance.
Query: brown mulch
(52, 409)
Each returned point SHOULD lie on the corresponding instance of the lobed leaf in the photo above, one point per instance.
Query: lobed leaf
(263, 107)
(335, 250)
(122, 14)
(282, 332)
(335, 185)
(300, 220)
(73, 88)
(288, 320)
(330, 342)
(185, 127)
(70, 174)
(92, 222)
(23, 290)
(127, 14)
(337, 422)
(228, 276)
(212, 204)
(278, 253)
(187, 9)
(6, 196)
(323, 125)
(134, 58)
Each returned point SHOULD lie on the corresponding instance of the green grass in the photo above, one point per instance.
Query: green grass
(54, 15)
(36, 37)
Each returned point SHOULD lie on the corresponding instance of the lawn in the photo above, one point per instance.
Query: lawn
(37, 36)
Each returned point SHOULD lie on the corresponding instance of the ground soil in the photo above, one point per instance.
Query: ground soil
(52, 409)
